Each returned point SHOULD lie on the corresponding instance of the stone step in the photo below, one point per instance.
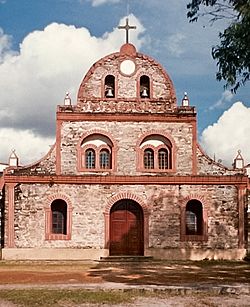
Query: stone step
(126, 259)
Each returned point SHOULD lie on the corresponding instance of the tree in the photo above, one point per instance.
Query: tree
(233, 53)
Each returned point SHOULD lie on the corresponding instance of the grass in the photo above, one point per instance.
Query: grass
(75, 297)
(45, 298)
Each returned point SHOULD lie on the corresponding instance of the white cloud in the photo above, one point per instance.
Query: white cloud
(226, 97)
(29, 147)
(50, 62)
(5, 46)
(174, 44)
(229, 134)
(100, 2)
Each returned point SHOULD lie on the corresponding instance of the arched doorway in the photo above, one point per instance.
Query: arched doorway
(126, 228)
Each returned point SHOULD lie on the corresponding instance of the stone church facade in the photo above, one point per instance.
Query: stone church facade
(126, 176)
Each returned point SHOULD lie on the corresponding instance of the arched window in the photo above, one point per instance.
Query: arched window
(96, 153)
(148, 158)
(105, 161)
(90, 158)
(59, 217)
(144, 87)
(109, 86)
(163, 159)
(194, 218)
(155, 154)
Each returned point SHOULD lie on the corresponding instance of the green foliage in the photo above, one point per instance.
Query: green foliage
(233, 54)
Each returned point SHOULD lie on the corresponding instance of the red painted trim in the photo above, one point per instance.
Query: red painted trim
(112, 179)
(124, 117)
(48, 218)
(58, 146)
(156, 169)
(140, 152)
(241, 207)
(197, 196)
(11, 212)
(97, 131)
(183, 235)
(81, 152)
(126, 195)
(81, 167)
(1, 182)
(145, 209)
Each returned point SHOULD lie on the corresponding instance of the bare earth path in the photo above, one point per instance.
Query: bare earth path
(206, 283)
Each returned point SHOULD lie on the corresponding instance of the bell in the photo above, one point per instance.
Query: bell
(144, 93)
(109, 93)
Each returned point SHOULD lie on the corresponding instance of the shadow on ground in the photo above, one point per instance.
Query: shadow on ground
(174, 273)
(165, 273)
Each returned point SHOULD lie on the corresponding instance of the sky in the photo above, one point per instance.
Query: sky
(46, 48)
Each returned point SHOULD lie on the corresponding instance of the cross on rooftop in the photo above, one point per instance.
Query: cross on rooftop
(127, 27)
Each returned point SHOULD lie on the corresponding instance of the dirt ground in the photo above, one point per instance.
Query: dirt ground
(165, 273)
(153, 273)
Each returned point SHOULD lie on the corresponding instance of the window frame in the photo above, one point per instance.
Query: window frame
(49, 234)
(82, 158)
(109, 157)
(150, 160)
(86, 158)
(201, 234)
(59, 218)
(156, 150)
(166, 151)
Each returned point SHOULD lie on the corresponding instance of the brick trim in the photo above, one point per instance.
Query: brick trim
(140, 202)
(81, 152)
(117, 179)
(126, 195)
(140, 152)
(241, 209)
(125, 117)
(10, 229)
(48, 218)
(183, 203)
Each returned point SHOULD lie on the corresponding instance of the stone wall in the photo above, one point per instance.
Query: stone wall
(126, 135)
(45, 166)
(90, 201)
(207, 166)
(126, 86)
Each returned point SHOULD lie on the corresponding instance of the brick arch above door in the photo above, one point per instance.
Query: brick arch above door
(114, 199)
(126, 195)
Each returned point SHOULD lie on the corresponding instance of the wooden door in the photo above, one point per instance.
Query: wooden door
(126, 229)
